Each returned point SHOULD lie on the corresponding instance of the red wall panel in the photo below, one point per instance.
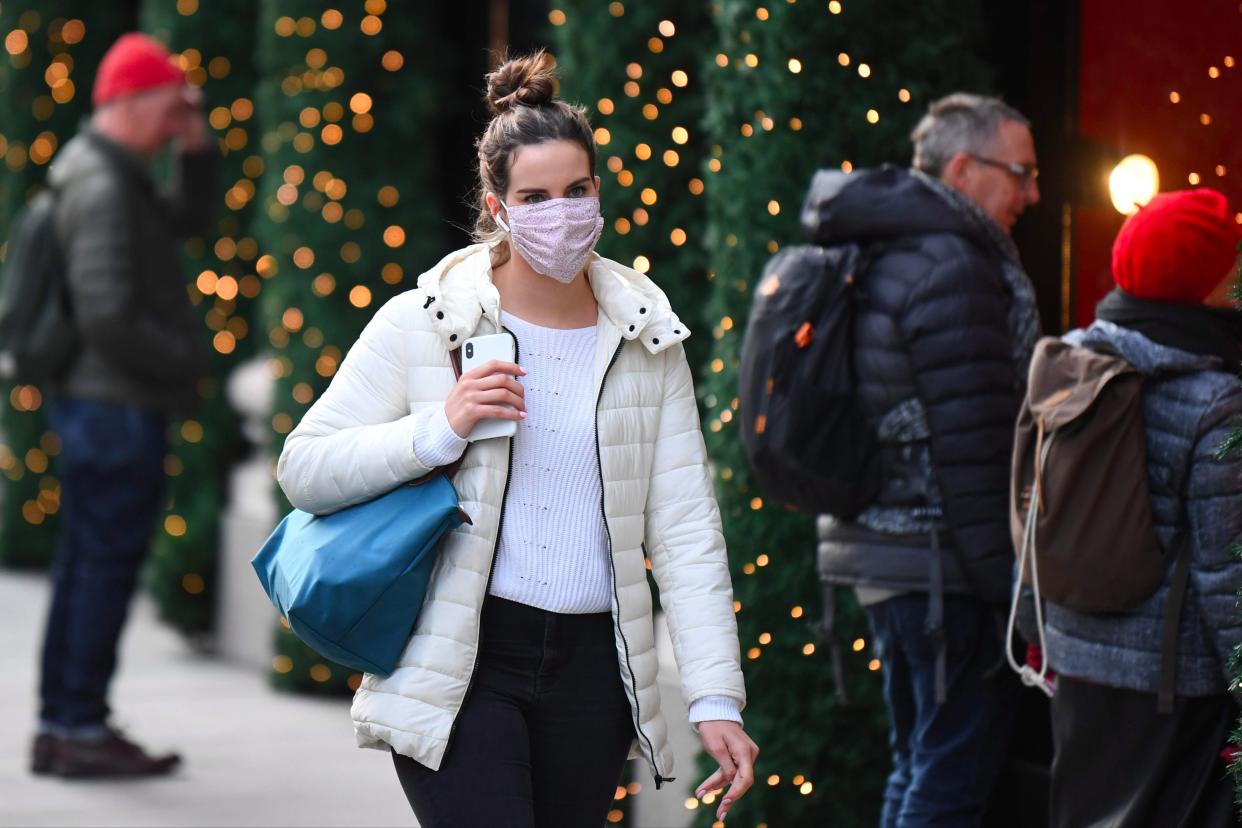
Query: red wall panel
(1133, 55)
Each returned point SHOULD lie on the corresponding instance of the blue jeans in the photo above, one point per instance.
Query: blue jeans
(946, 758)
(111, 469)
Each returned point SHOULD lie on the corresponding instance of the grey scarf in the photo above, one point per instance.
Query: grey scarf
(1024, 325)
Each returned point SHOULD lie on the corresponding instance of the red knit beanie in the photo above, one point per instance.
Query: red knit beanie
(134, 63)
(1178, 248)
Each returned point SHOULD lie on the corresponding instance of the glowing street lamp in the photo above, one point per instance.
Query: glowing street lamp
(1133, 182)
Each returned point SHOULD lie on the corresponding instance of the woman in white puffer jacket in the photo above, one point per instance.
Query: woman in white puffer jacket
(531, 672)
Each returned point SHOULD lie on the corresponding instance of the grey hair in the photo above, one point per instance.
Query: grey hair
(961, 122)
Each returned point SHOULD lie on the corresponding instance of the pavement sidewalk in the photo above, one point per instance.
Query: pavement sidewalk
(253, 757)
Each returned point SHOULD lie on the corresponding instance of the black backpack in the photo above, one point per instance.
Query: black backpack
(807, 441)
(37, 336)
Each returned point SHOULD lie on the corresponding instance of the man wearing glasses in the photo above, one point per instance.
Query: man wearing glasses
(944, 333)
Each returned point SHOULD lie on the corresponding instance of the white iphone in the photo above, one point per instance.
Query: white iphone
(477, 351)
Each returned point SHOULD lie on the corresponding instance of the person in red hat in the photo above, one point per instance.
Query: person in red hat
(137, 364)
(1119, 761)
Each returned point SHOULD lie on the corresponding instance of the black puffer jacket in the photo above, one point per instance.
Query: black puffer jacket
(141, 343)
(933, 336)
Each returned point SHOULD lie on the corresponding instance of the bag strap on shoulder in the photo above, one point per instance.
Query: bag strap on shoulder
(867, 254)
(1166, 684)
(455, 358)
(1166, 688)
(451, 469)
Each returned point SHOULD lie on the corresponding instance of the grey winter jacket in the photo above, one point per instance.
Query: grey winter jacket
(141, 344)
(1190, 407)
(937, 381)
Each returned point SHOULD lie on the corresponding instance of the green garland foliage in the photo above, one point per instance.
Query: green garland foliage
(51, 49)
(793, 87)
(636, 68)
(214, 42)
(346, 213)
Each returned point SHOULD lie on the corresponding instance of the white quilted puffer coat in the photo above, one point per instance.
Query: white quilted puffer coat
(357, 442)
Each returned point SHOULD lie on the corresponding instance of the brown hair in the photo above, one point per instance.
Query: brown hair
(521, 95)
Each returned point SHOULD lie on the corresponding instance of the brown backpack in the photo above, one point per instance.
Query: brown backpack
(1080, 509)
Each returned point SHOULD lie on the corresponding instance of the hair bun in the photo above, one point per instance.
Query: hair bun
(524, 81)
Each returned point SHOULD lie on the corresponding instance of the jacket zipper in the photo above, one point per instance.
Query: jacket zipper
(659, 780)
(500, 521)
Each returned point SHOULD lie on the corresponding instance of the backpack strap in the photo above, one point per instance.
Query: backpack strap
(1166, 687)
(825, 629)
(1175, 601)
(934, 625)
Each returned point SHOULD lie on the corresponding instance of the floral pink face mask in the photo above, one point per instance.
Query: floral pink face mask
(556, 236)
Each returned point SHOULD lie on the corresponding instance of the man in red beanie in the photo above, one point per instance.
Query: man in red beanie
(1118, 760)
(138, 364)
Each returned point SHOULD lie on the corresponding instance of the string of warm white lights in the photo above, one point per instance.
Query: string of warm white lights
(1215, 72)
(29, 471)
(650, 91)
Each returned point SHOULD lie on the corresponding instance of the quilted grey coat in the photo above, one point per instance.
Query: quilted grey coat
(1191, 405)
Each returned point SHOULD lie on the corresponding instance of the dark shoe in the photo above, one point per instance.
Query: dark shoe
(114, 755)
(43, 753)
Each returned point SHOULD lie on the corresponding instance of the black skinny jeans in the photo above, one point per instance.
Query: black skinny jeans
(543, 734)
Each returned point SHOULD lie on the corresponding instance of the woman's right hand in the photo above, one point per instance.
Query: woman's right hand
(484, 393)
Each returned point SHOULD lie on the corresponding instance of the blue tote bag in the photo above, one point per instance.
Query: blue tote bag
(351, 583)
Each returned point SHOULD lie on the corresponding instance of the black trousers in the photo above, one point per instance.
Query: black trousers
(543, 734)
(1120, 764)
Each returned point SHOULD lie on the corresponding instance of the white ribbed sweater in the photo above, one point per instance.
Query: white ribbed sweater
(553, 547)
(553, 550)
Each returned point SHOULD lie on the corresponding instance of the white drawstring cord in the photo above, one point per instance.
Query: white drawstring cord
(1029, 676)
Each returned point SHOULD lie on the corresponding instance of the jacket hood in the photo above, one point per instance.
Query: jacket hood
(877, 205)
(460, 293)
(88, 152)
(1148, 357)
(75, 159)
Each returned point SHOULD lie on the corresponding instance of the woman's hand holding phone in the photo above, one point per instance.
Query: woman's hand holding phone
(488, 392)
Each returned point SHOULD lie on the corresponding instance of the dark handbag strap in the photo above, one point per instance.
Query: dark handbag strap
(451, 469)
(934, 625)
(1167, 684)
(825, 629)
